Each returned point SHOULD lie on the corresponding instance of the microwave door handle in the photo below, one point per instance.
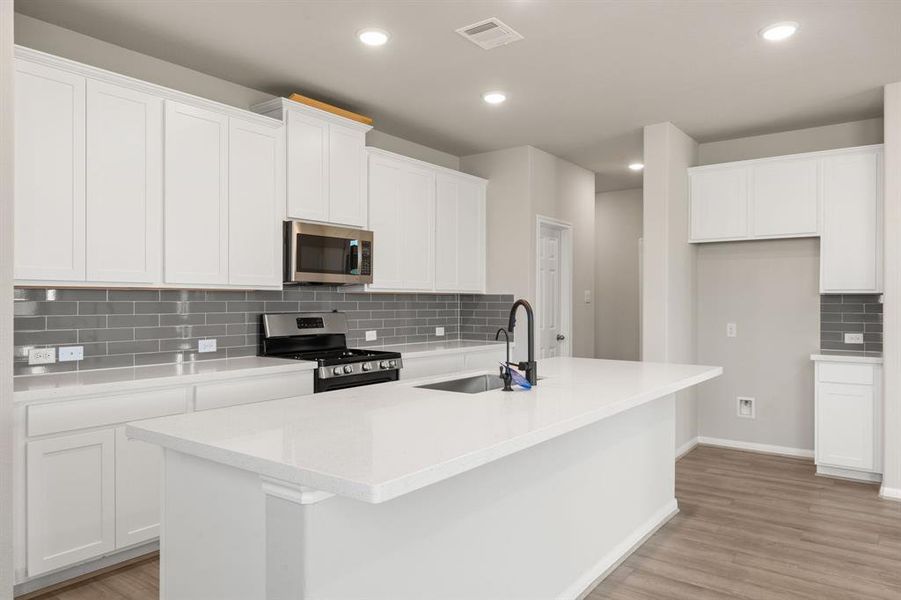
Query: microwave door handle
(359, 257)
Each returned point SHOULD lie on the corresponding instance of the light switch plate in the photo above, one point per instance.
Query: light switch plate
(439, 331)
(206, 345)
(853, 338)
(371, 335)
(70, 353)
(587, 296)
(41, 356)
(731, 330)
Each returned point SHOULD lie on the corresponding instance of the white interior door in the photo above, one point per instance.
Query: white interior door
(550, 287)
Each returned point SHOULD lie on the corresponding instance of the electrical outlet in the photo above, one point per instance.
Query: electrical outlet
(853, 338)
(372, 335)
(70, 353)
(731, 330)
(206, 345)
(41, 356)
(587, 296)
(747, 407)
(439, 331)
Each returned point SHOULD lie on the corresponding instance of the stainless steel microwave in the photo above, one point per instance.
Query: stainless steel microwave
(327, 254)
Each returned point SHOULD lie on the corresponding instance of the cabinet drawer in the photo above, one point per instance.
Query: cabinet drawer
(105, 410)
(252, 389)
(845, 373)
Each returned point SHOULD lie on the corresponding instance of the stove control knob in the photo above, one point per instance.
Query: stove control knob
(348, 369)
(336, 370)
(392, 363)
(367, 367)
(383, 364)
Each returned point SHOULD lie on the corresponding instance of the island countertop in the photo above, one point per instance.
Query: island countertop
(375, 443)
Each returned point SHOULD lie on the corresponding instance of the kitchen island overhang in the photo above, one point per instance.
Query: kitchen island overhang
(393, 491)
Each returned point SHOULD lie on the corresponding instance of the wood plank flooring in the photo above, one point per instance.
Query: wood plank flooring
(751, 526)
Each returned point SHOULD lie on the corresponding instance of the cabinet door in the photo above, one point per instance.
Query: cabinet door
(71, 499)
(138, 493)
(459, 235)
(386, 178)
(845, 428)
(346, 168)
(850, 248)
(49, 174)
(719, 204)
(196, 201)
(785, 198)
(124, 184)
(308, 180)
(256, 175)
(417, 231)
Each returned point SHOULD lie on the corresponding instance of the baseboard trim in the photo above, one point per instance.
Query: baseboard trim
(686, 447)
(609, 562)
(850, 474)
(890, 493)
(753, 447)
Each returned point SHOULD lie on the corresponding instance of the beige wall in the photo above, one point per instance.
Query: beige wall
(75, 46)
(525, 182)
(770, 290)
(668, 270)
(617, 301)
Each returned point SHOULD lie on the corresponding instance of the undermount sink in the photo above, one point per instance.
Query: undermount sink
(467, 385)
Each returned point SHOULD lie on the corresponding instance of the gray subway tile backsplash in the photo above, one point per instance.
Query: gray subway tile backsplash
(851, 313)
(122, 328)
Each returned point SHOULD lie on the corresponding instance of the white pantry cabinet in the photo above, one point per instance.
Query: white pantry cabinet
(71, 499)
(848, 419)
(196, 241)
(124, 184)
(460, 234)
(50, 173)
(326, 163)
(255, 203)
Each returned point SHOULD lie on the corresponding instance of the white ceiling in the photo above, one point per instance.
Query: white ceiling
(587, 77)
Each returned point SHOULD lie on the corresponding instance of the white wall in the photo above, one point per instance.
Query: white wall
(6, 299)
(891, 480)
(525, 182)
(617, 303)
(52, 39)
(668, 310)
(770, 290)
(776, 308)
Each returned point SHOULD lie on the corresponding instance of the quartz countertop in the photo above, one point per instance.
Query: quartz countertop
(34, 387)
(853, 358)
(375, 443)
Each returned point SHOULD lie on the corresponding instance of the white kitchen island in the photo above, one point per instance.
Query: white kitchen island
(393, 492)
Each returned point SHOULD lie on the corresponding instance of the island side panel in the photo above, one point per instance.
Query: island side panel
(542, 523)
(212, 533)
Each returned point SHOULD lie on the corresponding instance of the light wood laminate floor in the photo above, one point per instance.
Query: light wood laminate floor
(751, 526)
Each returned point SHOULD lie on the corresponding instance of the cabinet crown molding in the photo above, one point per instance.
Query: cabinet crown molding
(438, 169)
(278, 107)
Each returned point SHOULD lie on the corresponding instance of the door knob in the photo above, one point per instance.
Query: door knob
(560, 337)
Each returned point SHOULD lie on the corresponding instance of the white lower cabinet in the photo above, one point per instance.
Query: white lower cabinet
(138, 476)
(71, 499)
(848, 419)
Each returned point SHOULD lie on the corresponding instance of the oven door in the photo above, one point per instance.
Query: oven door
(326, 254)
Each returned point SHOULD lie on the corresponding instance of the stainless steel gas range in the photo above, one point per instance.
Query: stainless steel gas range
(322, 338)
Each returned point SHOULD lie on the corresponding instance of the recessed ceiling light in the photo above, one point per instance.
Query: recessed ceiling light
(494, 97)
(373, 37)
(779, 31)
(636, 166)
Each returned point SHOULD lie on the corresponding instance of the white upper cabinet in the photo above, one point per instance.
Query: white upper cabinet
(784, 198)
(326, 163)
(417, 229)
(124, 184)
(385, 183)
(460, 234)
(719, 204)
(256, 195)
(851, 246)
(196, 200)
(49, 174)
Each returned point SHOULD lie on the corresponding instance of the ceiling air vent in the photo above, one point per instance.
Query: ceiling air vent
(490, 33)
